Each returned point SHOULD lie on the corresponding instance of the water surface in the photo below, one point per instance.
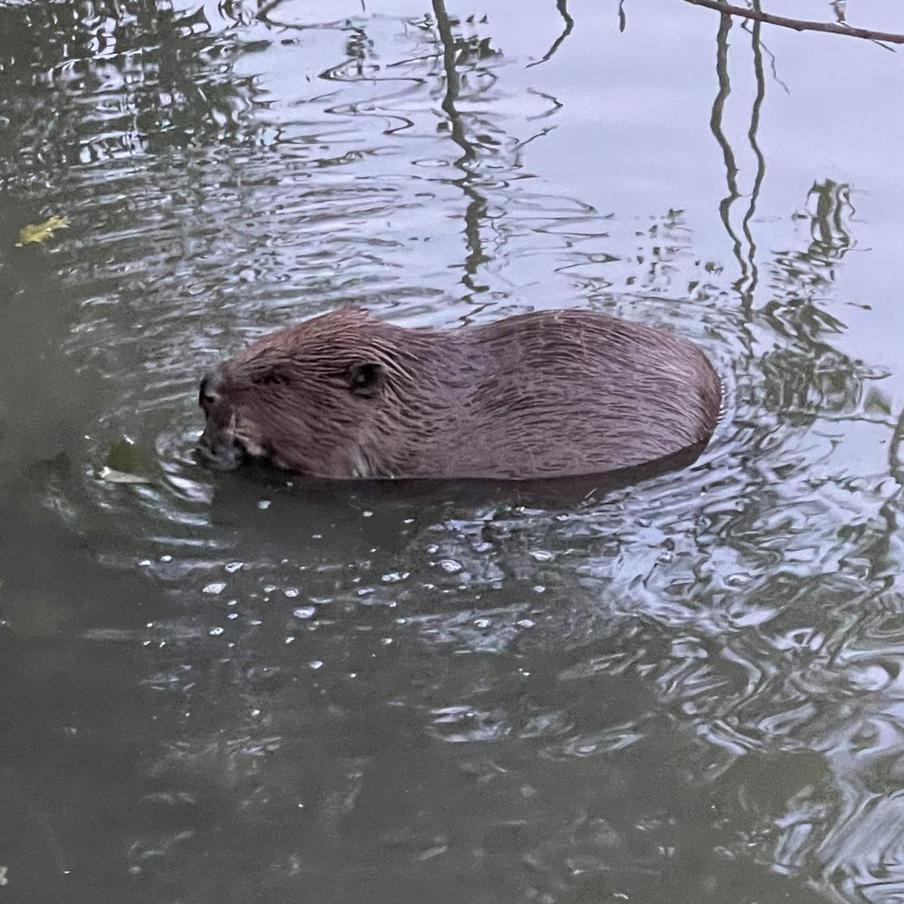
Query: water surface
(246, 687)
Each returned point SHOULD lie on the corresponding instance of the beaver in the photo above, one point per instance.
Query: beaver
(538, 395)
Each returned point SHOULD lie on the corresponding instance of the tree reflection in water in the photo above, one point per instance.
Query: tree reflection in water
(237, 688)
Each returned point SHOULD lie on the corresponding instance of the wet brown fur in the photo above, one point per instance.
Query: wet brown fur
(546, 394)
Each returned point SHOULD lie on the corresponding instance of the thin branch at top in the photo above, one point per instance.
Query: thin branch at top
(800, 24)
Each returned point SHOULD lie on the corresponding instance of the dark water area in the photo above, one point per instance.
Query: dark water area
(685, 687)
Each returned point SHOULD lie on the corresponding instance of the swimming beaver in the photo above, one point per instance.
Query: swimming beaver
(546, 394)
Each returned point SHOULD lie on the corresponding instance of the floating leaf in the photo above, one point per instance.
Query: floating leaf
(125, 455)
(126, 462)
(36, 233)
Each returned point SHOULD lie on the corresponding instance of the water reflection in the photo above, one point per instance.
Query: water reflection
(477, 204)
(235, 686)
(568, 25)
(715, 123)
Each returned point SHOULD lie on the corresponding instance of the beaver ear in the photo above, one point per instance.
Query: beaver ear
(365, 378)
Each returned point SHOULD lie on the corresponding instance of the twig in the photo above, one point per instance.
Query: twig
(799, 24)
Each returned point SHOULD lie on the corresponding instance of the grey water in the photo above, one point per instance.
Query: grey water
(251, 688)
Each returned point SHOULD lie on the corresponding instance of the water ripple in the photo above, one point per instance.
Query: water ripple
(685, 686)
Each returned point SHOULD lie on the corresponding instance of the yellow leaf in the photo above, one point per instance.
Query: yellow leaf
(40, 232)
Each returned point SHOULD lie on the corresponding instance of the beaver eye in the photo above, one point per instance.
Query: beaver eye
(269, 378)
(365, 378)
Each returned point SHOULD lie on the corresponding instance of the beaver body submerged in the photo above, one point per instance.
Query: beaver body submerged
(546, 394)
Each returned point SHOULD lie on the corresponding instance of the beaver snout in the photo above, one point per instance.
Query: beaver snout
(218, 447)
(224, 453)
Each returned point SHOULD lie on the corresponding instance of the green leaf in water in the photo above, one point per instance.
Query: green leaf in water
(126, 461)
(126, 455)
(35, 233)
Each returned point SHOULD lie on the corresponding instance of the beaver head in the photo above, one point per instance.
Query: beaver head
(307, 398)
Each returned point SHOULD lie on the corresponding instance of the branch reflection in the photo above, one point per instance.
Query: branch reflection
(468, 182)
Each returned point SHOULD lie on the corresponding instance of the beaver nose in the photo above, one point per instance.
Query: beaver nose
(210, 389)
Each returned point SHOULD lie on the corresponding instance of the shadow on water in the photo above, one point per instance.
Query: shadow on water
(669, 686)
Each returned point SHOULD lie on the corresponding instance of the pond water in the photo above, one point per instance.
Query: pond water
(243, 687)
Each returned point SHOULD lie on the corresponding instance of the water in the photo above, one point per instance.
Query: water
(248, 688)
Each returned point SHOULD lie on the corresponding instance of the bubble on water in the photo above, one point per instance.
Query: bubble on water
(264, 504)
(316, 664)
(393, 577)
(541, 555)
(216, 632)
(214, 588)
(450, 566)
(291, 592)
(233, 567)
(304, 611)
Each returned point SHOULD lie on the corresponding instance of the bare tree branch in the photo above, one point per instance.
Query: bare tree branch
(799, 24)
